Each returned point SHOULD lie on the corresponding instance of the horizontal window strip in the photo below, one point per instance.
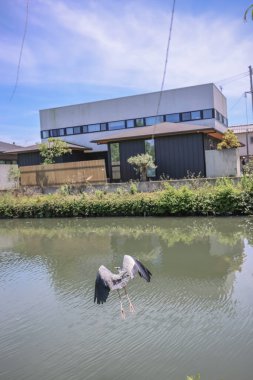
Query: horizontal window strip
(179, 117)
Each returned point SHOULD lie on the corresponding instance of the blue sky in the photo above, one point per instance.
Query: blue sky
(77, 51)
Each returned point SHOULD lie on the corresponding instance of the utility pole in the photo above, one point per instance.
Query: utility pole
(251, 85)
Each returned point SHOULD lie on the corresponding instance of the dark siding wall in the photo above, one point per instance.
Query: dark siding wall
(128, 149)
(27, 159)
(177, 154)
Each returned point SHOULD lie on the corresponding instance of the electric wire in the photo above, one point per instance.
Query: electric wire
(21, 51)
(166, 57)
(232, 78)
(237, 101)
(246, 109)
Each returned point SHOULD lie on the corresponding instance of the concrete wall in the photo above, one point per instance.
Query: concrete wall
(177, 100)
(5, 183)
(222, 163)
(143, 187)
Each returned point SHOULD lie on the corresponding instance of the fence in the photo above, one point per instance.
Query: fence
(65, 173)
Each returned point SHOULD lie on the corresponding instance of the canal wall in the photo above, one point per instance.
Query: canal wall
(142, 187)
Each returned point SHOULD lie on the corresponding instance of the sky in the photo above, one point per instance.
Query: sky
(78, 51)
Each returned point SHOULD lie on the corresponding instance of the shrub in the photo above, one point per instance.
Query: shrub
(222, 199)
(133, 188)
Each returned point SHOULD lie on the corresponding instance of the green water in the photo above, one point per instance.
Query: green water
(196, 315)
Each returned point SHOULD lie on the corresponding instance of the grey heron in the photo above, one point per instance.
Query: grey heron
(106, 280)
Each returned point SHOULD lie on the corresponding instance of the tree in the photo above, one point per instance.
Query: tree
(250, 8)
(229, 141)
(53, 148)
(142, 162)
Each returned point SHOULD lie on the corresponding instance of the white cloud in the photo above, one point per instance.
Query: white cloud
(96, 45)
(124, 46)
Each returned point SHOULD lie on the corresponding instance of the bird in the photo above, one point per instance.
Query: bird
(106, 281)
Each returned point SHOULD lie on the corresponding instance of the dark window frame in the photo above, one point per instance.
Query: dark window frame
(66, 131)
(139, 118)
(172, 114)
(208, 110)
(45, 131)
(187, 119)
(91, 125)
(117, 121)
(200, 115)
(77, 133)
(133, 123)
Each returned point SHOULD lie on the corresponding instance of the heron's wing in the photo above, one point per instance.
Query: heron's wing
(102, 288)
(132, 266)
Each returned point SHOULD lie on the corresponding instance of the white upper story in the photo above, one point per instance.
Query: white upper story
(82, 123)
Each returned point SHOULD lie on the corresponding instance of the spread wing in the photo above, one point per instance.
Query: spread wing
(133, 266)
(102, 282)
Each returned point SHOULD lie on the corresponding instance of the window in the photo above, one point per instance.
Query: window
(195, 115)
(139, 122)
(61, 132)
(153, 120)
(186, 116)
(103, 127)
(218, 116)
(94, 128)
(173, 118)
(54, 133)
(150, 147)
(45, 134)
(130, 123)
(251, 139)
(115, 160)
(85, 128)
(69, 131)
(208, 114)
(116, 125)
(77, 130)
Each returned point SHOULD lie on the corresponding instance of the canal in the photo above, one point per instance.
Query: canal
(195, 316)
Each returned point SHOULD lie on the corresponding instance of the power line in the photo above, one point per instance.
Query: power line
(233, 78)
(21, 51)
(237, 101)
(166, 57)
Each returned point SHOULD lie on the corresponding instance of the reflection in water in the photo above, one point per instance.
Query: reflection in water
(187, 317)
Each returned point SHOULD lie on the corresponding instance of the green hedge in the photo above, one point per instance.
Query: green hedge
(222, 199)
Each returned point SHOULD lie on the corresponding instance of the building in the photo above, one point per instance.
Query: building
(177, 150)
(189, 120)
(30, 155)
(8, 153)
(245, 136)
(82, 123)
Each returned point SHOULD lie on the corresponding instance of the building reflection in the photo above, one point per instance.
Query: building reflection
(180, 248)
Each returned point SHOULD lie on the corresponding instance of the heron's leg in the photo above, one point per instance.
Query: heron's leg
(130, 303)
(123, 315)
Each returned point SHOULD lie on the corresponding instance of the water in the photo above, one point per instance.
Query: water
(196, 315)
